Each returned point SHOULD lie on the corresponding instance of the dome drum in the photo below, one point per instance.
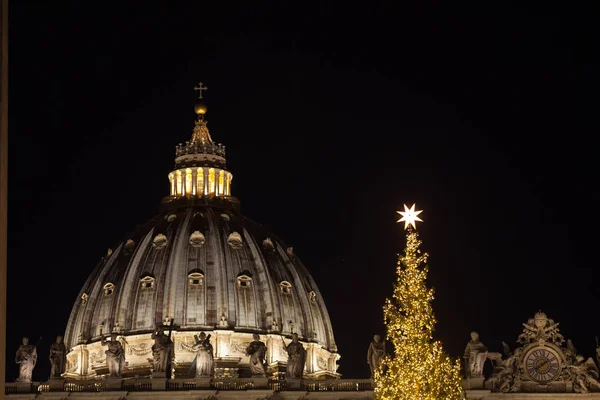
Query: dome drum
(88, 360)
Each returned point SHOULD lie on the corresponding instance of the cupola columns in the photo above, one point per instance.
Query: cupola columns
(200, 164)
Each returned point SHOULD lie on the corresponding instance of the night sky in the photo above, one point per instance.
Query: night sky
(333, 117)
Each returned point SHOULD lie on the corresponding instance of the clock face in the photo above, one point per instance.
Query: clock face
(542, 365)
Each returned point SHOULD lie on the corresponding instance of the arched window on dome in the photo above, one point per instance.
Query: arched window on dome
(109, 289)
(147, 281)
(286, 287)
(196, 279)
(195, 310)
(84, 299)
(244, 281)
(245, 301)
(312, 296)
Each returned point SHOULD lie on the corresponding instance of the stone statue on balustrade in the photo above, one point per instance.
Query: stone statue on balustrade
(58, 358)
(296, 358)
(26, 357)
(375, 354)
(163, 351)
(205, 364)
(257, 351)
(475, 356)
(115, 356)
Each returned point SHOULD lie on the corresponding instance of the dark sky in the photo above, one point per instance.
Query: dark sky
(333, 116)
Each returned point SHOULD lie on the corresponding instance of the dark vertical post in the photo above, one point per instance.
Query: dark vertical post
(3, 185)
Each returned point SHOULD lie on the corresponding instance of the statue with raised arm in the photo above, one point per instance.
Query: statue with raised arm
(162, 351)
(26, 357)
(296, 358)
(475, 356)
(375, 353)
(58, 358)
(115, 356)
(257, 351)
(204, 356)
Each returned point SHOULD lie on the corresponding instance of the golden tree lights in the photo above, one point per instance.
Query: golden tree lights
(418, 368)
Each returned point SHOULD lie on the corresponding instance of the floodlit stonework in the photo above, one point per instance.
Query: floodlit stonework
(200, 266)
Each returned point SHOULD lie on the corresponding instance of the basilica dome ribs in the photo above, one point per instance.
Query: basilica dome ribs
(205, 266)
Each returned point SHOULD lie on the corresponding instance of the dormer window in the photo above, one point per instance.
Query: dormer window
(235, 241)
(109, 289)
(196, 279)
(84, 299)
(244, 281)
(286, 287)
(312, 296)
(147, 281)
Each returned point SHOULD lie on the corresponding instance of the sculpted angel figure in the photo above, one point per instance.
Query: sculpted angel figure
(475, 356)
(204, 356)
(162, 351)
(296, 358)
(584, 374)
(375, 353)
(26, 357)
(115, 356)
(507, 378)
(58, 358)
(257, 351)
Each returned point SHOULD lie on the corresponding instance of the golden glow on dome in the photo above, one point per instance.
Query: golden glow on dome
(409, 216)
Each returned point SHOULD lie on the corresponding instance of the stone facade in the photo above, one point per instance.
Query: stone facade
(87, 361)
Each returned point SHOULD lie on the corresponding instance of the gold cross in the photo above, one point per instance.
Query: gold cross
(200, 88)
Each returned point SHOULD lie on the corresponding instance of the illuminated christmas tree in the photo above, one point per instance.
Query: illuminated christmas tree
(418, 368)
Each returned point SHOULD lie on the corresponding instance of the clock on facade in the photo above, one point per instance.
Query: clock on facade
(542, 364)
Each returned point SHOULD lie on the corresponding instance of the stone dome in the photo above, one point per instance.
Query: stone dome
(199, 265)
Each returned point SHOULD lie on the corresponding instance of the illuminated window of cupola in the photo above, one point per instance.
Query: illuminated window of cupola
(221, 181)
(244, 281)
(200, 181)
(109, 289)
(188, 181)
(84, 299)
(178, 182)
(196, 279)
(211, 180)
(147, 282)
(312, 296)
(172, 182)
(286, 287)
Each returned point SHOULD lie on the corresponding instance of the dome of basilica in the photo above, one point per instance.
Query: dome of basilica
(199, 266)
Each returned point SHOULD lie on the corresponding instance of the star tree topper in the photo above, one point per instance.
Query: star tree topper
(409, 216)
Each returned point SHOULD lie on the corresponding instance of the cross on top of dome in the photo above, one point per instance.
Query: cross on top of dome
(200, 88)
(201, 141)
